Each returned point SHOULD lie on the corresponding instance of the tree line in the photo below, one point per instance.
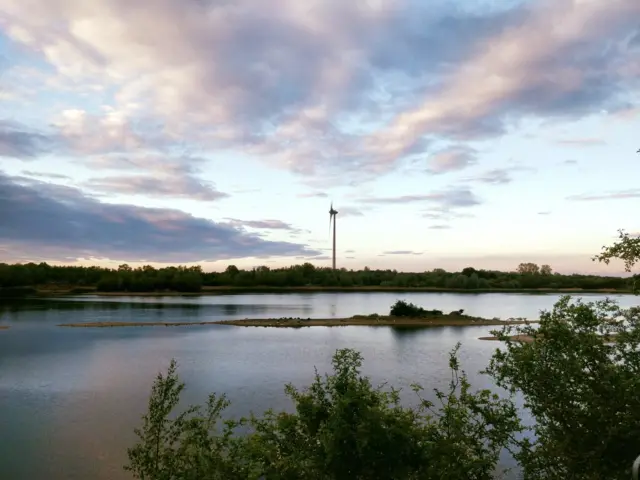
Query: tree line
(578, 377)
(193, 279)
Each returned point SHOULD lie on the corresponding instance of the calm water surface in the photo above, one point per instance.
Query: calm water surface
(70, 397)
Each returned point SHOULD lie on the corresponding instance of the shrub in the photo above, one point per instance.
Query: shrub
(582, 391)
(404, 309)
(342, 428)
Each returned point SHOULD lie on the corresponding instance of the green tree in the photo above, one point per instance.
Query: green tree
(194, 444)
(473, 282)
(109, 283)
(627, 249)
(468, 271)
(579, 377)
(187, 282)
(232, 270)
(460, 281)
(528, 269)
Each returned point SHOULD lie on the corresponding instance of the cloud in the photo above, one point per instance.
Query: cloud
(47, 221)
(110, 131)
(181, 186)
(402, 252)
(156, 162)
(450, 198)
(350, 212)
(517, 73)
(313, 195)
(444, 214)
(164, 176)
(319, 257)
(439, 227)
(271, 224)
(499, 176)
(544, 213)
(17, 141)
(49, 175)
(626, 114)
(617, 195)
(451, 159)
(570, 162)
(323, 87)
(581, 142)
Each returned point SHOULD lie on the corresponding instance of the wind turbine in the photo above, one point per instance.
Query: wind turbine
(332, 216)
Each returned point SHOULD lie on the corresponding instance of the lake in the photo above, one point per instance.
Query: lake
(70, 397)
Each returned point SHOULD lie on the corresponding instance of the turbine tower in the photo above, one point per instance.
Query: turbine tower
(332, 216)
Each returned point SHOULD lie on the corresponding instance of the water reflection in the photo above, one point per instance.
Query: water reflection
(69, 397)
(230, 309)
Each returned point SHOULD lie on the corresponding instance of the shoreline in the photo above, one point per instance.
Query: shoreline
(358, 320)
(515, 338)
(231, 290)
(530, 339)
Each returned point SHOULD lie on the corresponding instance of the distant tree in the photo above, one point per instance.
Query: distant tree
(232, 270)
(308, 270)
(473, 282)
(108, 283)
(460, 281)
(146, 278)
(545, 270)
(187, 282)
(468, 271)
(528, 269)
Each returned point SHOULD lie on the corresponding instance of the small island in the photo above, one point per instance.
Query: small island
(356, 320)
(375, 320)
(402, 314)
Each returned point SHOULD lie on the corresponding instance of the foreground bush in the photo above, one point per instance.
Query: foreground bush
(342, 428)
(583, 391)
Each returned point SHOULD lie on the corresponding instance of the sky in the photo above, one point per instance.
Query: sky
(447, 134)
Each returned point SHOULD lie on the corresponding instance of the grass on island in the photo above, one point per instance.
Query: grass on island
(358, 320)
(374, 320)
